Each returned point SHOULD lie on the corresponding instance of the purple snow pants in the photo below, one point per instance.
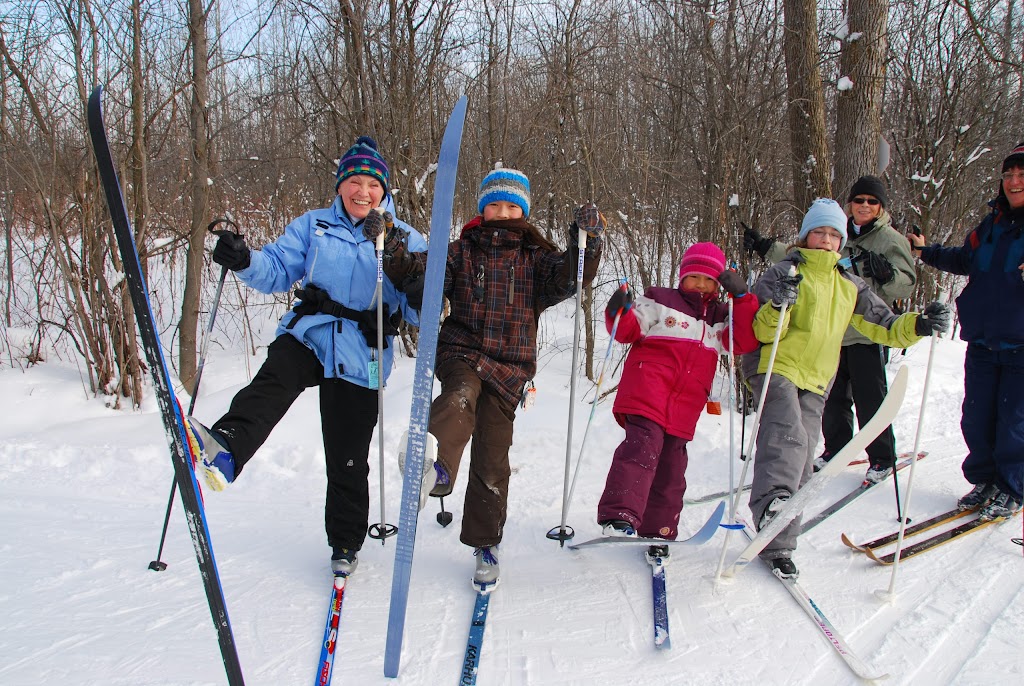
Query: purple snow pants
(646, 480)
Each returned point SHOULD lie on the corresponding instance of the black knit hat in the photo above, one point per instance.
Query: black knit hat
(869, 185)
(1015, 158)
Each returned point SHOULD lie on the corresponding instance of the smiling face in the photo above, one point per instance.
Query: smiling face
(699, 283)
(863, 210)
(824, 238)
(501, 209)
(360, 194)
(1013, 186)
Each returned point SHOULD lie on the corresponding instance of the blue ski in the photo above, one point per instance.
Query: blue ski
(661, 634)
(475, 643)
(170, 410)
(704, 535)
(423, 381)
(330, 642)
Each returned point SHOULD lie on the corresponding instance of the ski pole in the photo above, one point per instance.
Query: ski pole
(890, 594)
(732, 400)
(159, 565)
(381, 530)
(563, 533)
(895, 479)
(597, 395)
(753, 434)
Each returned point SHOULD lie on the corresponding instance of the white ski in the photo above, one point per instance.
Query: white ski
(883, 417)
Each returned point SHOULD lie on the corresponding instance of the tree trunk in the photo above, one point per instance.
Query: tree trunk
(806, 105)
(187, 325)
(859, 110)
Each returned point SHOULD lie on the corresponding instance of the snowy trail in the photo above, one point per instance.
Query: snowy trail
(82, 500)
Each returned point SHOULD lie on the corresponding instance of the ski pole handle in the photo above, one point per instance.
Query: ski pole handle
(212, 227)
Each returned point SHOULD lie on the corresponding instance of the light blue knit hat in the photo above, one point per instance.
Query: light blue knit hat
(824, 212)
(510, 185)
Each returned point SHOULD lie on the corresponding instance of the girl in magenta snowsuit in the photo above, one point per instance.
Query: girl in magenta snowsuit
(678, 335)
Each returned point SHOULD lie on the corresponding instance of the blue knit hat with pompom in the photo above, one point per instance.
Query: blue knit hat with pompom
(510, 185)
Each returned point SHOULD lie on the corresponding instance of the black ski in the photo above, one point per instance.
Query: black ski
(170, 411)
(865, 486)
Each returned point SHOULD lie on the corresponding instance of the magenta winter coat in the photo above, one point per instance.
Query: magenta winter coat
(677, 338)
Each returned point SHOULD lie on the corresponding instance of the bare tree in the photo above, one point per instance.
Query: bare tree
(859, 108)
(807, 131)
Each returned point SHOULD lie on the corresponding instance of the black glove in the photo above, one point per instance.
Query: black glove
(314, 300)
(733, 283)
(785, 290)
(934, 319)
(622, 299)
(875, 266)
(590, 219)
(379, 222)
(368, 325)
(753, 241)
(231, 251)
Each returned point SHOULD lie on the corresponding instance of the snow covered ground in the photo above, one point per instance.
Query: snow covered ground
(83, 490)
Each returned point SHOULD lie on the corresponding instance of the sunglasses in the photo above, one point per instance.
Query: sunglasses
(859, 200)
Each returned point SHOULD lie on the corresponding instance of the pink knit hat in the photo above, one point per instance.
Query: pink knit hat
(702, 258)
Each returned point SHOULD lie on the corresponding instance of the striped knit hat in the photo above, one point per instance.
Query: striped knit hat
(702, 258)
(363, 158)
(1015, 158)
(510, 185)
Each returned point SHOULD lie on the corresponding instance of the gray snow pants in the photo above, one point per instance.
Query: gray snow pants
(787, 438)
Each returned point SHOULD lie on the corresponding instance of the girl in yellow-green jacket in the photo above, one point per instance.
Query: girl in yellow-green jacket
(822, 302)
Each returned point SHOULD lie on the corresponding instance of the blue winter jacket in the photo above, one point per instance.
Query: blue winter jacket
(322, 247)
(991, 306)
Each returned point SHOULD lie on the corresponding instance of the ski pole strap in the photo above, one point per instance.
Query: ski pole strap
(314, 300)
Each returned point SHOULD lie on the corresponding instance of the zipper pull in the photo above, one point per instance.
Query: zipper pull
(511, 284)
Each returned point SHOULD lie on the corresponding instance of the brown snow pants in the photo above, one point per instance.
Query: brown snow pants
(468, 408)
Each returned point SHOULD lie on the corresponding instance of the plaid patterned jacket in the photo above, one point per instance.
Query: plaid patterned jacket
(498, 282)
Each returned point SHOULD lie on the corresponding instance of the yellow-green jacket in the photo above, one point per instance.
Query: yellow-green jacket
(829, 300)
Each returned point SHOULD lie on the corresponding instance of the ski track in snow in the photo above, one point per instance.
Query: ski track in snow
(83, 491)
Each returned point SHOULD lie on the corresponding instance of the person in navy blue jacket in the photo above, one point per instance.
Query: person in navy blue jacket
(327, 340)
(991, 310)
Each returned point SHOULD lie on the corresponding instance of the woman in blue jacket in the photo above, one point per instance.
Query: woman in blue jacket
(328, 340)
(991, 311)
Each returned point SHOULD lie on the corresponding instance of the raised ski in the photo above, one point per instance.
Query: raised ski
(423, 381)
(170, 411)
(883, 417)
